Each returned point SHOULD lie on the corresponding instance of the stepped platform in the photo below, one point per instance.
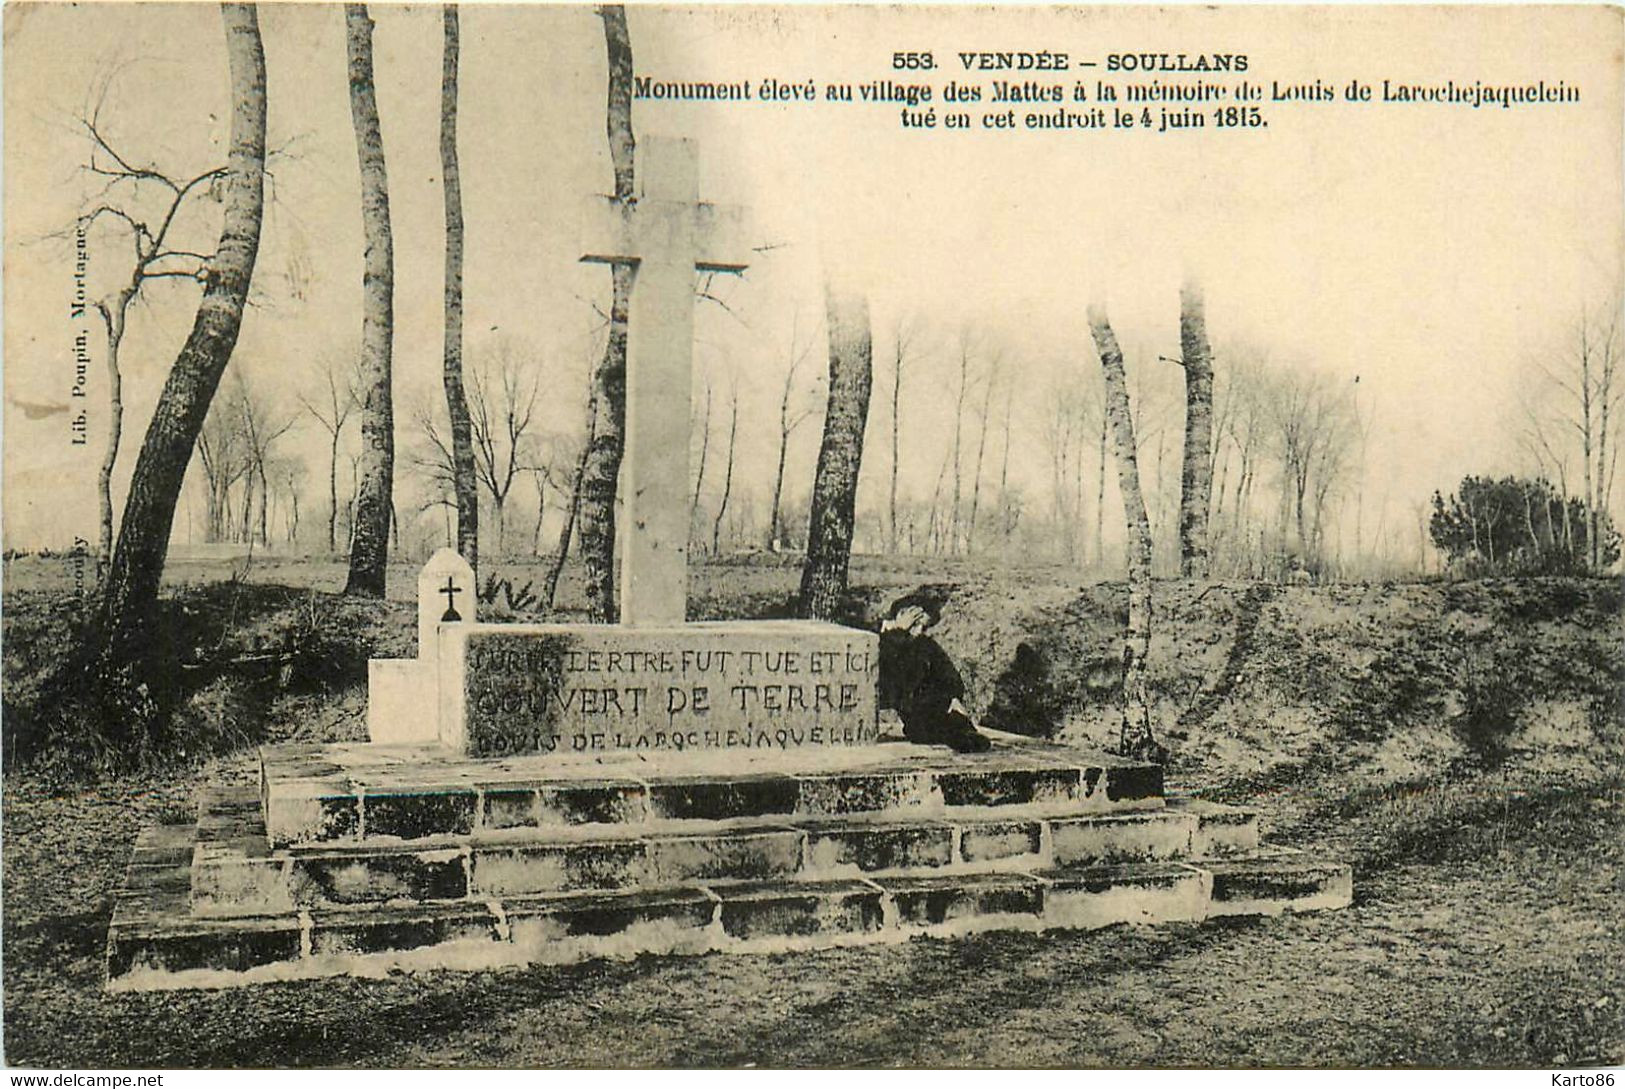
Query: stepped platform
(362, 859)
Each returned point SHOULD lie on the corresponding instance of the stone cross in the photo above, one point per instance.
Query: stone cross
(665, 234)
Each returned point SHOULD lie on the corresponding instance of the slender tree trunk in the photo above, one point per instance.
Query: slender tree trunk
(959, 421)
(934, 522)
(541, 516)
(705, 452)
(840, 456)
(131, 589)
(369, 550)
(551, 586)
(1100, 491)
(1196, 479)
(603, 465)
(1568, 525)
(1603, 485)
(464, 482)
(265, 494)
(113, 318)
(245, 529)
(333, 493)
(774, 533)
(896, 394)
(727, 475)
(1529, 523)
(981, 449)
(1135, 739)
(1005, 526)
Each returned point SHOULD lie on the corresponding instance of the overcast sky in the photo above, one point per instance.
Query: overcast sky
(1431, 250)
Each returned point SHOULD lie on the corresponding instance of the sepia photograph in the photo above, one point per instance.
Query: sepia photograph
(809, 536)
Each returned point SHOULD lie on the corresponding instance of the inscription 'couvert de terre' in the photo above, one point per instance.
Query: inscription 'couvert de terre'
(536, 692)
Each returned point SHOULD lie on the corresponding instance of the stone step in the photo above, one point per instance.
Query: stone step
(156, 942)
(362, 793)
(235, 869)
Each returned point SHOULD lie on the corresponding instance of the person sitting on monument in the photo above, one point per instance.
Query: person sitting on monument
(918, 679)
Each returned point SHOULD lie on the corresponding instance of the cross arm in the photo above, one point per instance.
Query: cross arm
(620, 233)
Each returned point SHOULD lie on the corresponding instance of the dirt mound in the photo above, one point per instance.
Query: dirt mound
(1248, 676)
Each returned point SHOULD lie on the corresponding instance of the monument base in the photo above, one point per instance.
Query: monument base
(358, 859)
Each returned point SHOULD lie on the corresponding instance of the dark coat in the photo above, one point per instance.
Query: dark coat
(917, 678)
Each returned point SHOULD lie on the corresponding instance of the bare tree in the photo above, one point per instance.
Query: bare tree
(988, 383)
(289, 474)
(332, 407)
(222, 451)
(502, 392)
(1069, 426)
(1135, 739)
(728, 472)
(431, 458)
(464, 484)
(959, 427)
(840, 456)
(1240, 424)
(369, 546)
(1574, 413)
(556, 567)
(131, 588)
(900, 347)
(154, 256)
(1313, 428)
(1007, 513)
(789, 419)
(603, 464)
(704, 431)
(261, 422)
(1196, 478)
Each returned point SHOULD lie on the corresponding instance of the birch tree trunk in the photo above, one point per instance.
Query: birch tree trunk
(369, 546)
(705, 453)
(1100, 489)
(1196, 477)
(550, 587)
(603, 465)
(1585, 441)
(981, 449)
(728, 473)
(840, 456)
(113, 318)
(131, 589)
(332, 494)
(774, 536)
(464, 482)
(1135, 738)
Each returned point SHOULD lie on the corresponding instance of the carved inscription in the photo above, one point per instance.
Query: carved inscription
(597, 691)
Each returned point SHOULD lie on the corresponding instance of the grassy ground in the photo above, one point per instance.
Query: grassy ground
(1459, 744)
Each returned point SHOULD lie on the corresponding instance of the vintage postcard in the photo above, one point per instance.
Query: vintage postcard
(800, 536)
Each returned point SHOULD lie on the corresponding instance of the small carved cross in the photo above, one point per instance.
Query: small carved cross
(451, 590)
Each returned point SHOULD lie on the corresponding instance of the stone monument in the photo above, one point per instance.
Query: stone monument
(653, 681)
(539, 793)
